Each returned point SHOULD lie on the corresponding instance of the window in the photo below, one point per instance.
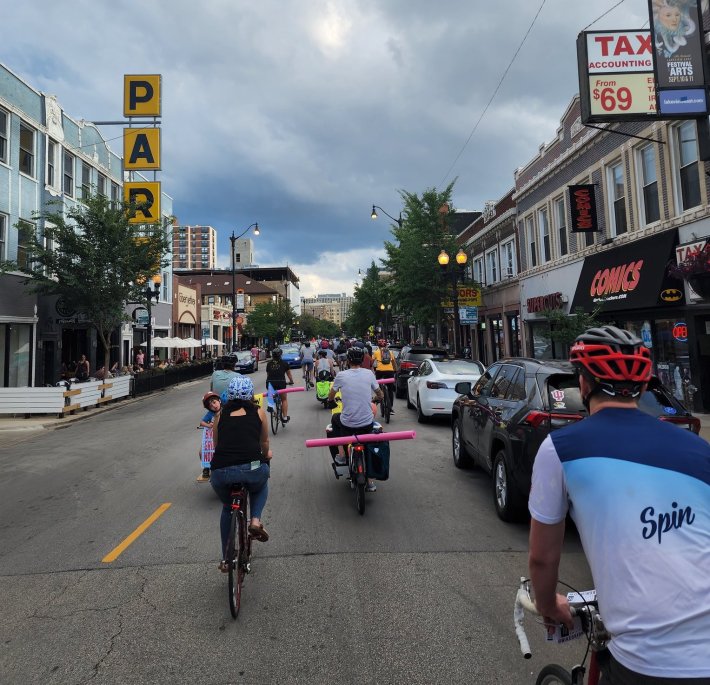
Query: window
(85, 181)
(101, 186)
(27, 150)
(52, 159)
(503, 381)
(478, 275)
(530, 230)
(507, 258)
(114, 194)
(544, 225)
(492, 266)
(68, 185)
(688, 175)
(3, 235)
(617, 195)
(561, 224)
(24, 235)
(4, 118)
(646, 160)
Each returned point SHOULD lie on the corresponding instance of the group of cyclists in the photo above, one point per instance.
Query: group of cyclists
(638, 490)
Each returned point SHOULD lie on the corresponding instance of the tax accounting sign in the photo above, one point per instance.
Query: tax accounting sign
(631, 75)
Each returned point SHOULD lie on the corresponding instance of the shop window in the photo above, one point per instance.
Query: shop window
(514, 334)
(544, 226)
(617, 196)
(15, 354)
(27, 150)
(68, 182)
(4, 118)
(646, 162)
(561, 225)
(687, 172)
(497, 338)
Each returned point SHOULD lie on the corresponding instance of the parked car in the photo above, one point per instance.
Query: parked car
(500, 422)
(431, 387)
(291, 355)
(245, 362)
(409, 360)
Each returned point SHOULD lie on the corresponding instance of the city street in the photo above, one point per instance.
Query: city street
(418, 590)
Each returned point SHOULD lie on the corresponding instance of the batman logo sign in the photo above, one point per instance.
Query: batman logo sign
(671, 295)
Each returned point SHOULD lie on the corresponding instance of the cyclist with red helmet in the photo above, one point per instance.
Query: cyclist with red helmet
(212, 402)
(638, 490)
(383, 362)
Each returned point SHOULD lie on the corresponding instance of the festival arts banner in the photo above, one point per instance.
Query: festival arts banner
(583, 208)
(677, 28)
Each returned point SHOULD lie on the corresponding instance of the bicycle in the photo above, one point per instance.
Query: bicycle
(588, 622)
(277, 416)
(238, 552)
(386, 405)
(308, 375)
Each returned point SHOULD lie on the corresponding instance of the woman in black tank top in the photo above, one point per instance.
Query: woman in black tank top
(241, 455)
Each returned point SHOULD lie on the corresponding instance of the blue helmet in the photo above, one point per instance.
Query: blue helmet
(240, 388)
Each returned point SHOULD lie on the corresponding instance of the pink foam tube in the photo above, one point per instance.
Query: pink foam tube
(283, 392)
(368, 437)
(382, 381)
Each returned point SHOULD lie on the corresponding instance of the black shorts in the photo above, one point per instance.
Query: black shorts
(340, 430)
(276, 385)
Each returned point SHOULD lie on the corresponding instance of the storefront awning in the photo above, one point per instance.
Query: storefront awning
(632, 276)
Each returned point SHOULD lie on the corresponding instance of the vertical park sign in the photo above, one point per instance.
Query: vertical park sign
(141, 144)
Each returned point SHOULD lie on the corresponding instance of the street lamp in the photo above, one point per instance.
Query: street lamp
(374, 215)
(233, 239)
(385, 309)
(150, 293)
(454, 273)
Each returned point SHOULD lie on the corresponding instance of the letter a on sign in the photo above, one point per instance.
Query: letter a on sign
(144, 198)
(141, 95)
(141, 148)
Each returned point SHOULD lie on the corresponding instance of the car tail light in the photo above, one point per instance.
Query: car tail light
(692, 423)
(407, 366)
(537, 418)
(433, 385)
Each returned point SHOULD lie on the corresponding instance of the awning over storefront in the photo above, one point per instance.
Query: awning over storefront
(632, 276)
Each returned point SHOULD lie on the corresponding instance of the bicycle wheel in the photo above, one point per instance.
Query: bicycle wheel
(360, 498)
(387, 406)
(275, 417)
(553, 674)
(235, 573)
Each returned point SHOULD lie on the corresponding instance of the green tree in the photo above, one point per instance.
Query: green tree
(93, 258)
(416, 286)
(270, 319)
(367, 298)
(564, 328)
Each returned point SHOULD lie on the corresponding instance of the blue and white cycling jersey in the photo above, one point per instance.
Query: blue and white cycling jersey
(638, 490)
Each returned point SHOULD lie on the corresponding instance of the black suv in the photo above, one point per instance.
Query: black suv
(501, 421)
(409, 360)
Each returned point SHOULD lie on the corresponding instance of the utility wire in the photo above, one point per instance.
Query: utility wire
(603, 15)
(495, 92)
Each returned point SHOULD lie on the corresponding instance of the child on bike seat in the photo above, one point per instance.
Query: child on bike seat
(212, 403)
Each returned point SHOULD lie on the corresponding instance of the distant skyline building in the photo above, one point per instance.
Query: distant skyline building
(244, 252)
(194, 247)
(333, 307)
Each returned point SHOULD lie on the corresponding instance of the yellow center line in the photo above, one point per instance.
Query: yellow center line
(117, 551)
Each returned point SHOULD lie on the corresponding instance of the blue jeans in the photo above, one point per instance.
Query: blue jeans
(256, 481)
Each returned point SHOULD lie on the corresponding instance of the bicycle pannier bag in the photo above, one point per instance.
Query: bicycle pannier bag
(377, 458)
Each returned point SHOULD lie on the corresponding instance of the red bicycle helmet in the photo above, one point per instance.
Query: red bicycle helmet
(615, 359)
(207, 397)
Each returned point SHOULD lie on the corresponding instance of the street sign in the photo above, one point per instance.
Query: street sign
(141, 95)
(469, 296)
(468, 315)
(141, 317)
(240, 300)
(146, 196)
(141, 148)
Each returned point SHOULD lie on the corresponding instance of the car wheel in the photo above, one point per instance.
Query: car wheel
(462, 459)
(508, 502)
(398, 392)
(409, 402)
(420, 415)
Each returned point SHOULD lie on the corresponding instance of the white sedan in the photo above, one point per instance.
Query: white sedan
(431, 388)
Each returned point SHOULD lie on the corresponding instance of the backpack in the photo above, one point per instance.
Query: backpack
(386, 356)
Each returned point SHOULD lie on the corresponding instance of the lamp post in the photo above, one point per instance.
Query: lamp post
(233, 239)
(150, 293)
(374, 215)
(454, 273)
(385, 308)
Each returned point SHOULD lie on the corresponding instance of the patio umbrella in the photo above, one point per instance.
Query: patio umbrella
(191, 342)
(158, 342)
(212, 341)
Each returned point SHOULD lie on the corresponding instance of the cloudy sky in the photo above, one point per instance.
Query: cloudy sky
(302, 114)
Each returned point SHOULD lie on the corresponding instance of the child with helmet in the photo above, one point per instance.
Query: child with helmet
(212, 403)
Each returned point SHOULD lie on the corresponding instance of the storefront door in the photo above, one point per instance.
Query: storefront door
(702, 328)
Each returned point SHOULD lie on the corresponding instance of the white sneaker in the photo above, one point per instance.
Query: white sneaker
(371, 487)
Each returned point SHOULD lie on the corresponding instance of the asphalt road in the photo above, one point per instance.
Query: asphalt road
(418, 590)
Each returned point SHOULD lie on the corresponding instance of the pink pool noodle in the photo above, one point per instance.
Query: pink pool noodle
(368, 437)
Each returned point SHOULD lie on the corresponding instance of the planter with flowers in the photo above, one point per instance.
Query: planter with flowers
(695, 269)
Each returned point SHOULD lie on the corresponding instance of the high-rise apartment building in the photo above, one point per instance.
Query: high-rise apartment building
(332, 307)
(194, 247)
